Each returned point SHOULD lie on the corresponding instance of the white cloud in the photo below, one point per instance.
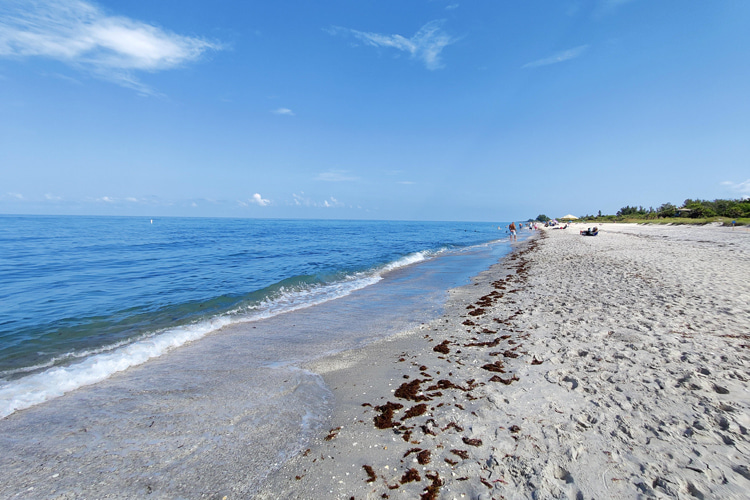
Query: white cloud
(259, 200)
(336, 176)
(283, 111)
(565, 55)
(17, 196)
(332, 203)
(426, 44)
(407, 182)
(738, 187)
(82, 35)
(131, 199)
(451, 6)
(52, 197)
(106, 199)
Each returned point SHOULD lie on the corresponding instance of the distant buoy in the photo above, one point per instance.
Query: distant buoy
(152, 221)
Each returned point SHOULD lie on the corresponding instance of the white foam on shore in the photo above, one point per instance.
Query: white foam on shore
(39, 387)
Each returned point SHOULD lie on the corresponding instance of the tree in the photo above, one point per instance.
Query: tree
(666, 210)
(542, 218)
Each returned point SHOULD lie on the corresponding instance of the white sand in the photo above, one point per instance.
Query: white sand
(643, 334)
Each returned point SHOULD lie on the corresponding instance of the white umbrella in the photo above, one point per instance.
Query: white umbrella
(569, 217)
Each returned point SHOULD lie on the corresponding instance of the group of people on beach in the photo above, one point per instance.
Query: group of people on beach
(532, 226)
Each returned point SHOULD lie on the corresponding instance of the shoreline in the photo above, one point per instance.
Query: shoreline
(212, 418)
(606, 367)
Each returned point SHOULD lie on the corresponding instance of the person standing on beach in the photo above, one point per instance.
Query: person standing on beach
(512, 229)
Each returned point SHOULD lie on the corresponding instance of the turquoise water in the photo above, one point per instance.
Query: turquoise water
(84, 297)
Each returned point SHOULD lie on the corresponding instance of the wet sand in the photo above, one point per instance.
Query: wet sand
(614, 366)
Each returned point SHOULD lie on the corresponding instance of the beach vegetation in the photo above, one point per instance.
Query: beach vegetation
(542, 218)
(691, 212)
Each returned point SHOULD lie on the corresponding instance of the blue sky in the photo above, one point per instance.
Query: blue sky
(371, 109)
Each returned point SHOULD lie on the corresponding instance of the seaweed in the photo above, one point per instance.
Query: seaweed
(472, 442)
(410, 476)
(442, 347)
(385, 419)
(370, 473)
(431, 493)
(497, 366)
(410, 391)
(415, 411)
(508, 381)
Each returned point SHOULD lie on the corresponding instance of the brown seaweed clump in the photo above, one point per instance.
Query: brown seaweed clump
(370, 473)
(385, 419)
(472, 442)
(415, 411)
(410, 391)
(409, 476)
(423, 457)
(442, 347)
(505, 381)
(431, 493)
(497, 366)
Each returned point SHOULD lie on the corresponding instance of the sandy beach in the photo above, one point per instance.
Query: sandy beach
(614, 366)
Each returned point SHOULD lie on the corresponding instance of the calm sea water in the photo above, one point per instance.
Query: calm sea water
(82, 298)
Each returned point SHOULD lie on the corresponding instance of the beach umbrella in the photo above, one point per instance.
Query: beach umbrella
(569, 217)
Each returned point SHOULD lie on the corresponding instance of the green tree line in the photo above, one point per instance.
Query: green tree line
(695, 209)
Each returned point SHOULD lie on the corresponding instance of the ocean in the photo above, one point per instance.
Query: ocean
(186, 311)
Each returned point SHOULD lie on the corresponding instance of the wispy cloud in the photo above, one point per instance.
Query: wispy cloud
(426, 44)
(738, 187)
(332, 202)
(336, 176)
(283, 111)
(83, 36)
(304, 201)
(52, 197)
(17, 196)
(563, 56)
